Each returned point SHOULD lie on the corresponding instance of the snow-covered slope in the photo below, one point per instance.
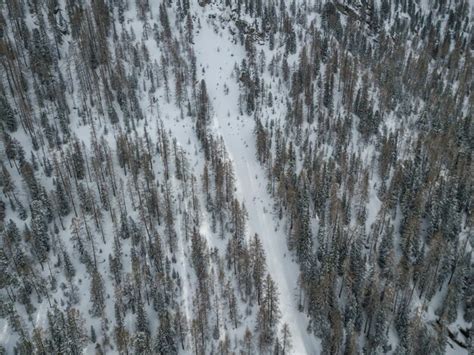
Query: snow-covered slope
(230, 176)
(217, 55)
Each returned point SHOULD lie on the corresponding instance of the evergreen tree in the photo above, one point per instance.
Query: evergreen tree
(303, 237)
(7, 117)
(62, 200)
(203, 113)
(258, 266)
(97, 295)
(39, 228)
(286, 343)
(164, 343)
(268, 314)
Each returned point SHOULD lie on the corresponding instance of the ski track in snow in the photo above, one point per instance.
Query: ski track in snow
(214, 54)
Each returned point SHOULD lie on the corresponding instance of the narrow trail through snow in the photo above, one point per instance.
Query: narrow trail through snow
(216, 57)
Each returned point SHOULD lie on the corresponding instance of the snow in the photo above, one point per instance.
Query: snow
(218, 55)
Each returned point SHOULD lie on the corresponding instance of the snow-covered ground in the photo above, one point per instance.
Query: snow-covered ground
(217, 53)
(217, 56)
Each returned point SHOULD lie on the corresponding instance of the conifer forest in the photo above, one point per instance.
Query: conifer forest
(236, 177)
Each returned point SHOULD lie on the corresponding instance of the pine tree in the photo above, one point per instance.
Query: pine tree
(164, 343)
(386, 252)
(203, 114)
(286, 343)
(7, 276)
(356, 268)
(199, 259)
(75, 336)
(268, 314)
(39, 229)
(7, 117)
(257, 254)
(62, 200)
(97, 296)
(69, 270)
(140, 344)
(142, 325)
(78, 160)
(303, 237)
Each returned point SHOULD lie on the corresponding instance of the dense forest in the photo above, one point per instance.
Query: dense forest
(236, 177)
